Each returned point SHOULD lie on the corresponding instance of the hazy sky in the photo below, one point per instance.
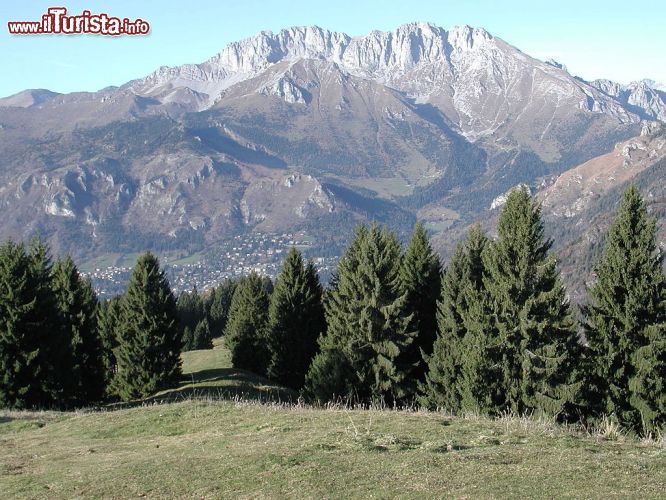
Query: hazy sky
(623, 41)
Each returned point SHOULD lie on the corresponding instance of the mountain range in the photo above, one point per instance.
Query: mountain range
(313, 130)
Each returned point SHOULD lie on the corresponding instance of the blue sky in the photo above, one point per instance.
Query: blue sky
(623, 41)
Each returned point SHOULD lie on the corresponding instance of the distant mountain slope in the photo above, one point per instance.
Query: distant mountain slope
(305, 129)
(580, 206)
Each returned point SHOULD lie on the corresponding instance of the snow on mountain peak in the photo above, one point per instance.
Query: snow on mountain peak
(377, 52)
(466, 67)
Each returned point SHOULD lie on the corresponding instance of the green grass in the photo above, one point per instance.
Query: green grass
(104, 261)
(204, 447)
(189, 259)
(208, 374)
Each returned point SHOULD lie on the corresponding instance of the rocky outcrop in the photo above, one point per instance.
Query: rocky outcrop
(642, 97)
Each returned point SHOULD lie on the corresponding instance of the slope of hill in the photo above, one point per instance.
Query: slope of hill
(200, 448)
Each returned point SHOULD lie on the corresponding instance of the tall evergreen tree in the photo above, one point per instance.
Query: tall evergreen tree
(202, 336)
(480, 386)
(245, 334)
(23, 364)
(218, 306)
(534, 332)
(149, 343)
(295, 321)
(455, 361)
(108, 325)
(267, 285)
(57, 348)
(188, 339)
(626, 321)
(367, 320)
(191, 311)
(420, 278)
(77, 306)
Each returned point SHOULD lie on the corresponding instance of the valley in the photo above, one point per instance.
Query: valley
(311, 131)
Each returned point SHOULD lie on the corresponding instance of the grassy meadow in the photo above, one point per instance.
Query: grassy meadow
(229, 433)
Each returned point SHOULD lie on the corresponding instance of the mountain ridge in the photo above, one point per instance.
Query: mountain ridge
(382, 55)
(416, 122)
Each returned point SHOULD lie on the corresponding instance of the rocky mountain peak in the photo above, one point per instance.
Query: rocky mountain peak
(303, 42)
(461, 69)
(468, 38)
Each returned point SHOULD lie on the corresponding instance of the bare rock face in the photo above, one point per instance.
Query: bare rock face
(287, 90)
(499, 201)
(643, 97)
(482, 88)
(276, 201)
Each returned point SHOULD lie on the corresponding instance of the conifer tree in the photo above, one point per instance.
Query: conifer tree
(57, 349)
(480, 386)
(367, 320)
(188, 339)
(218, 308)
(295, 321)
(108, 322)
(190, 310)
(267, 285)
(330, 376)
(77, 306)
(420, 278)
(245, 334)
(626, 322)
(23, 338)
(149, 343)
(454, 364)
(202, 336)
(648, 383)
(534, 334)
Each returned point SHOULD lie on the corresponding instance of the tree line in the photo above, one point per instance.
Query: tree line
(492, 332)
(60, 347)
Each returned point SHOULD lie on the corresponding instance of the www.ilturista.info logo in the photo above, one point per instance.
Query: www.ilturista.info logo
(56, 21)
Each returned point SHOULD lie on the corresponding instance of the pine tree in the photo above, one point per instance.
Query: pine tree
(267, 285)
(367, 319)
(626, 321)
(480, 384)
(534, 332)
(191, 311)
(245, 334)
(22, 367)
(188, 339)
(149, 343)
(420, 278)
(329, 377)
(295, 321)
(108, 324)
(56, 347)
(202, 336)
(77, 306)
(452, 377)
(648, 383)
(218, 307)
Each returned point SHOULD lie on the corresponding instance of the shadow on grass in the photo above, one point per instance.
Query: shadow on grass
(219, 384)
